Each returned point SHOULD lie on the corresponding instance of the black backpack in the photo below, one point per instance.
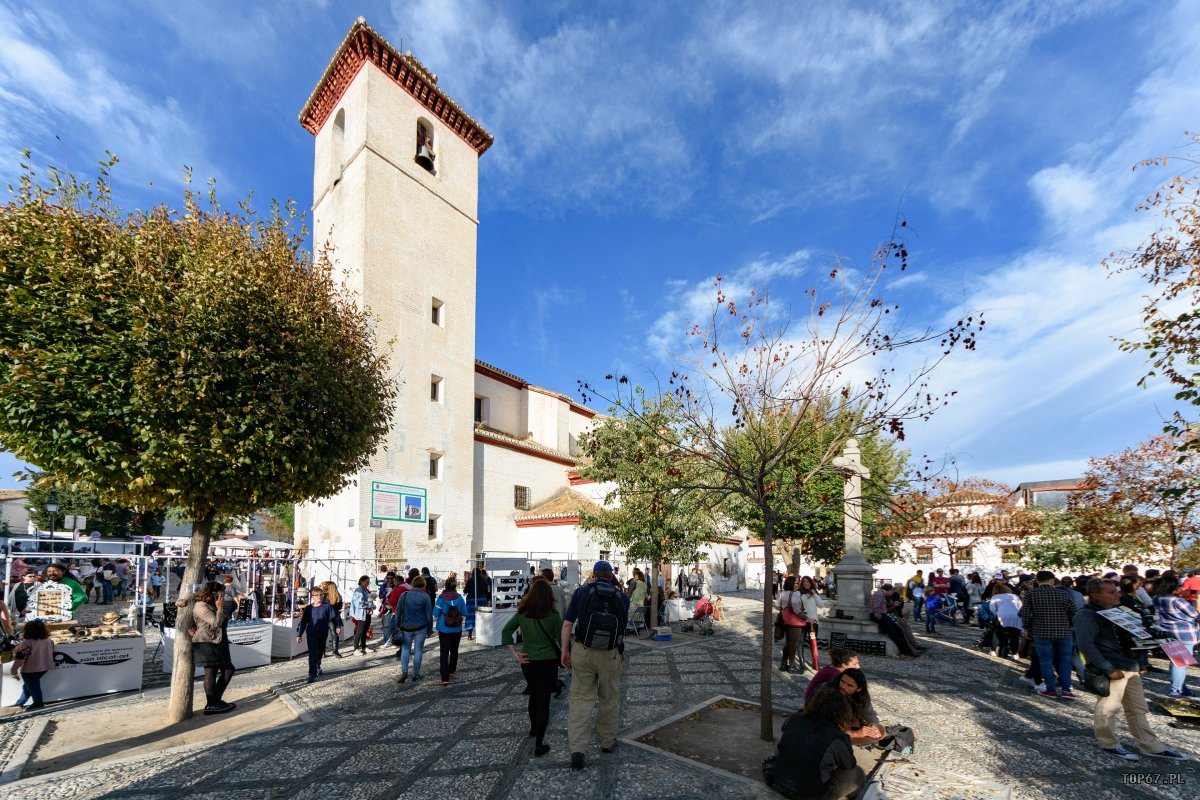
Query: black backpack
(599, 625)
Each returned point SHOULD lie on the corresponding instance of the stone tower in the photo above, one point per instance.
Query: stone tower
(395, 187)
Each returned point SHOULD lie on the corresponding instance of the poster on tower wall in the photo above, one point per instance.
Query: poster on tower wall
(397, 503)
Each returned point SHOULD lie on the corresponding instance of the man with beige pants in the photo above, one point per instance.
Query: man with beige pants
(598, 613)
(1107, 647)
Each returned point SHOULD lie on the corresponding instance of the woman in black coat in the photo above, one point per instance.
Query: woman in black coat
(815, 760)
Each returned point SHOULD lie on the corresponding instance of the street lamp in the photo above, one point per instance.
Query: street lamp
(52, 510)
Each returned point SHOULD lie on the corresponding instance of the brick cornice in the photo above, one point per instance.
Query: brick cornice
(364, 45)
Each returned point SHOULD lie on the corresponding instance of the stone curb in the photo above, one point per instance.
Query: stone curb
(754, 787)
(12, 781)
(23, 751)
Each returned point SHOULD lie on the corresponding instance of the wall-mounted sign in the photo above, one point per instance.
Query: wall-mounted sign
(391, 501)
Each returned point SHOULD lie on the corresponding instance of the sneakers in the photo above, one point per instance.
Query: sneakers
(402, 678)
(1048, 693)
(1069, 695)
(1184, 692)
(1041, 687)
(1028, 681)
(576, 760)
(312, 678)
(1171, 754)
(1121, 752)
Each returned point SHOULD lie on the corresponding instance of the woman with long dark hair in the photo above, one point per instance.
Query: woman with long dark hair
(211, 612)
(810, 601)
(815, 759)
(865, 728)
(539, 655)
(791, 607)
(334, 598)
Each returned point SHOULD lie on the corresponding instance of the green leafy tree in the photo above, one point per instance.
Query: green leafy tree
(198, 359)
(1065, 540)
(649, 514)
(821, 532)
(108, 520)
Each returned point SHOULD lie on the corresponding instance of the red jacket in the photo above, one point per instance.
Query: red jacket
(394, 597)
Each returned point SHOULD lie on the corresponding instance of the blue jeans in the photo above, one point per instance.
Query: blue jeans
(1178, 676)
(917, 604)
(108, 590)
(1055, 656)
(414, 642)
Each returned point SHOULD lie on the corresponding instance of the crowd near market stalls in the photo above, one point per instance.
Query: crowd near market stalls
(138, 582)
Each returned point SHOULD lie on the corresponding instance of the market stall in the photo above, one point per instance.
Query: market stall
(249, 645)
(105, 663)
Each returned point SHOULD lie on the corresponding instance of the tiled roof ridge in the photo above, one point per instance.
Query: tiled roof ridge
(363, 43)
(528, 442)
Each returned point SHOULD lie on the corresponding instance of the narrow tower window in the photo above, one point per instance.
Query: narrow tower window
(436, 315)
(425, 154)
(435, 388)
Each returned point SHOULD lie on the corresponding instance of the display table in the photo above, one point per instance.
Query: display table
(489, 625)
(83, 669)
(283, 636)
(249, 646)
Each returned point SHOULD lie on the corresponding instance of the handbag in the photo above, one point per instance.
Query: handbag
(900, 738)
(1096, 680)
(791, 618)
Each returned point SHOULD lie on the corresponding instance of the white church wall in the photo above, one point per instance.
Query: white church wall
(500, 470)
(503, 405)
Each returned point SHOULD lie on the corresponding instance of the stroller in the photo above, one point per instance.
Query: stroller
(942, 608)
(707, 611)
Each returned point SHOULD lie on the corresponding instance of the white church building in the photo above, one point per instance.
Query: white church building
(478, 460)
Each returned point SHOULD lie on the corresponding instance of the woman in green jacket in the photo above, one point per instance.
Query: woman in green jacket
(538, 655)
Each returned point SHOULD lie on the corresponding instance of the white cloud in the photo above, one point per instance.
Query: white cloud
(44, 67)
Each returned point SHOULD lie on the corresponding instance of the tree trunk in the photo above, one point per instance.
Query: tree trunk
(767, 729)
(796, 551)
(179, 707)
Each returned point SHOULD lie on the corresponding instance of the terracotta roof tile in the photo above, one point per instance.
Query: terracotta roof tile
(567, 503)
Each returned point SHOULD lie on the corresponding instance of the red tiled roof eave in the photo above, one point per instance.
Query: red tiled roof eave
(363, 45)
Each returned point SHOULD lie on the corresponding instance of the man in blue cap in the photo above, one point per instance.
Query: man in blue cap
(598, 613)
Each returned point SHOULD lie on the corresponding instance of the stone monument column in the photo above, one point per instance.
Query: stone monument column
(849, 615)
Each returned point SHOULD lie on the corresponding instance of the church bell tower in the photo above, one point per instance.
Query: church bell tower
(395, 190)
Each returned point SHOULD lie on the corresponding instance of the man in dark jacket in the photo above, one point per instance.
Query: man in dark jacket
(1108, 647)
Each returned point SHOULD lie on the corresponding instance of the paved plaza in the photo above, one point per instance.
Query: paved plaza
(367, 737)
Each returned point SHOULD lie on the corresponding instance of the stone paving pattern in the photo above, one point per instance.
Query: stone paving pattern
(372, 738)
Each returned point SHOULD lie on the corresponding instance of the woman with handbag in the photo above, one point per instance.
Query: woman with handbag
(211, 612)
(791, 611)
(811, 602)
(360, 612)
(539, 655)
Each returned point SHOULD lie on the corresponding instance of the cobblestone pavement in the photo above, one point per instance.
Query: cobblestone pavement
(372, 738)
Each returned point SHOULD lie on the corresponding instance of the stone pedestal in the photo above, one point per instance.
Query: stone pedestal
(854, 573)
(854, 587)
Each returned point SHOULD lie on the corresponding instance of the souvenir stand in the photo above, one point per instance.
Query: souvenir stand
(284, 598)
(89, 661)
(510, 579)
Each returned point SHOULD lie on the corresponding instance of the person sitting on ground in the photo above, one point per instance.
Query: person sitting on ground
(814, 760)
(865, 729)
(839, 661)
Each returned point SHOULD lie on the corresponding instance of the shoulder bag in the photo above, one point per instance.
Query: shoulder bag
(790, 618)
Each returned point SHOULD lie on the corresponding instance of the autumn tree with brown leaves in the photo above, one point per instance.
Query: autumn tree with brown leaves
(768, 397)
(944, 514)
(1147, 496)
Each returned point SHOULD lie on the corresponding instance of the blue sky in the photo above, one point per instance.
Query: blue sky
(643, 148)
